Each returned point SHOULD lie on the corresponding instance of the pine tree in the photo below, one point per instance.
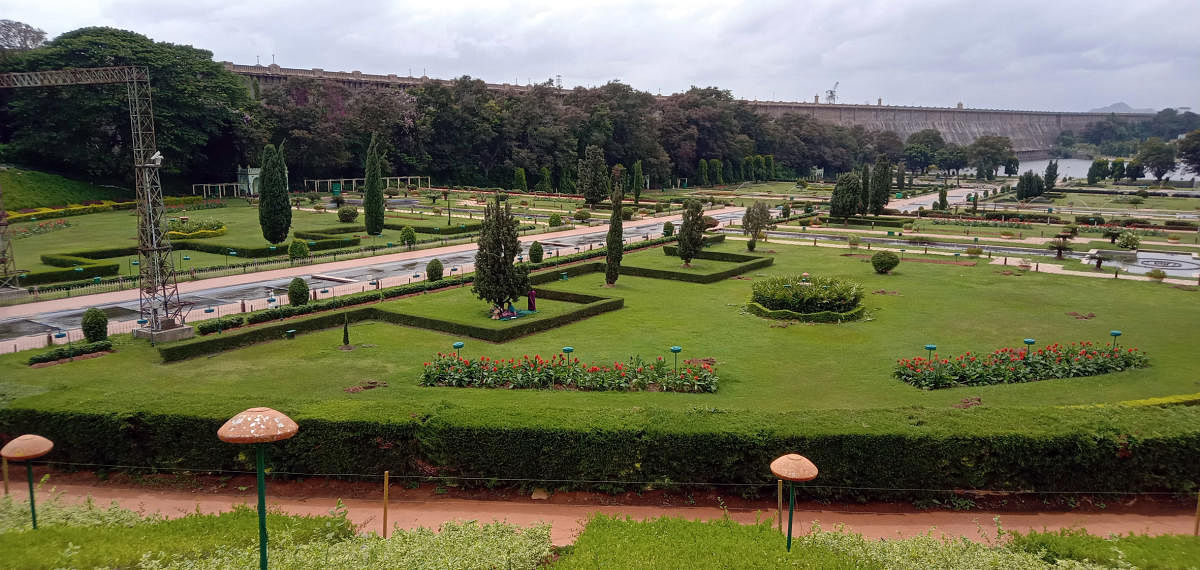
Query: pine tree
(1051, 175)
(943, 203)
(544, 184)
(497, 279)
(638, 180)
(519, 183)
(373, 206)
(864, 190)
(593, 176)
(615, 243)
(900, 177)
(274, 211)
(691, 231)
(345, 329)
(760, 167)
(769, 161)
(702, 172)
(844, 201)
(881, 181)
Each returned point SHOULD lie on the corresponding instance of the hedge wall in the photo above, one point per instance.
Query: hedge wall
(818, 317)
(870, 451)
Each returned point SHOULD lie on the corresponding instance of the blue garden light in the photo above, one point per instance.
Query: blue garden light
(209, 310)
(1029, 341)
(1114, 334)
(142, 321)
(931, 348)
(458, 345)
(567, 350)
(676, 350)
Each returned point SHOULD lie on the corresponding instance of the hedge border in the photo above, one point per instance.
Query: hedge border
(817, 317)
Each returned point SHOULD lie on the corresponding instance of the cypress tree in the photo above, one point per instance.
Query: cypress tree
(1051, 177)
(715, 168)
(943, 202)
(747, 168)
(614, 242)
(497, 279)
(702, 172)
(900, 177)
(844, 201)
(373, 193)
(691, 232)
(864, 190)
(345, 329)
(730, 173)
(770, 166)
(881, 181)
(519, 183)
(544, 181)
(760, 167)
(593, 176)
(637, 181)
(274, 211)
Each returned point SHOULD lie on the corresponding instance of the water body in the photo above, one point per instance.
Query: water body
(1078, 168)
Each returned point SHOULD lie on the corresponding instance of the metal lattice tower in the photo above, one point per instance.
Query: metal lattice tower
(8, 271)
(159, 291)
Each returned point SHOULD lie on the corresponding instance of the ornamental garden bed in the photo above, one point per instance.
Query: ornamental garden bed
(920, 260)
(807, 299)
(562, 372)
(1013, 365)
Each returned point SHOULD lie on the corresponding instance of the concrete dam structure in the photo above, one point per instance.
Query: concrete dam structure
(1032, 133)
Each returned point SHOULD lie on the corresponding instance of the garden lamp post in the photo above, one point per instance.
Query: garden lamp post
(1114, 334)
(133, 263)
(1029, 342)
(26, 448)
(458, 345)
(676, 350)
(792, 468)
(259, 426)
(567, 350)
(930, 348)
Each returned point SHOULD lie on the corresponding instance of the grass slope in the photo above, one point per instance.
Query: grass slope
(33, 189)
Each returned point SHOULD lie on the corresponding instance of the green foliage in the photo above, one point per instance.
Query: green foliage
(434, 269)
(24, 189)
(1097, 171)
(519, 183)
(943, 202)
(1129, 240)
(561, 372)
(1135, 169)
(881, 180)
(593, 175)
(1030, 185)
(844, 201)
(754, 221)
(864, 191)
(74, 349)
(668, 229)
(53, 512)
(536, 252)
(1156, 274)
(988, 153)
(297, 292)
(691, 231)
(347, 214)
(702, 173)
(408, 237)
(715, 169)
(582, 215)
(1012, 365)
(373, 202)
(818, 294)
(638, 181)
(298, 249)
(274, 210)
(554, 221)
(1189, 151)
(614, 240)
(884, 261)
(345, 329)
(1156, 156)
(1116, 170)
(221, 324)
(497, 279)
(1050, 177)
(94, 325)
(545, 183)
(1136, 551)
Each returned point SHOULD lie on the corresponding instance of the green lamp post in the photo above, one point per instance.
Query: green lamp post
(259, 426)
(792, 468)
(26, 448)
(676, 350)
(458, 347)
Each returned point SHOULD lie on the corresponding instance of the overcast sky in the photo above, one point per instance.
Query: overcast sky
(1045, 55)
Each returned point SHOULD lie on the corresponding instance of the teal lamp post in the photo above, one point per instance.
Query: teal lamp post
(792, 468)
(676, 350)
(26, 448)
(567, 350)
(259, 426)
(930, 348)
(1114, 334)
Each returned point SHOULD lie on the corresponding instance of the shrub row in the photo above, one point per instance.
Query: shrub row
(560, 371)
(171, 352)
(224, 323)
(71, 350)
(680, 275)
(1012, 365)
(88, 271)
(867, 221)
(862, 454)
(815, 317)
(198, 234)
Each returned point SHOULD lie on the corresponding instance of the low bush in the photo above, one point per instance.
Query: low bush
(1013, 365)
(222, 324)
(816, 317)
(434, 269)
(974, 251)
(1156, 274)
(408, 236)
(853, 242)
(71, 350)
(562, 372)
(347, 214)
(554, 221)
(94, 325)
(536, 252)
(179, 225)
(668, 229)
(582, 215)
(298, 249)
(297, 292)
(884, 261)
(794, 293)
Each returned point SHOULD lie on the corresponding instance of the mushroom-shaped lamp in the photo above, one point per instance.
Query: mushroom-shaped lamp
(26, 448)
(792, 468)
(259, 426)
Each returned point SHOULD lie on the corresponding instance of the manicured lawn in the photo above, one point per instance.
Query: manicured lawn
(763, 367)
(673, 263)
(33, 189)
(461, 306)
(1121, 202)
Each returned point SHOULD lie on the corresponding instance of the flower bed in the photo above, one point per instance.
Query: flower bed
(798, 294)
(1012, 365)
(561, 372)
(46, 227)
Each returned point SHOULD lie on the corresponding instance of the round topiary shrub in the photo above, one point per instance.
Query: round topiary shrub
(434, 269)
(555, 220)
(627, 213)
(824, 299)
(95, 325)
(710, 222)
(408, 236)
(582, 215)
(298, 249)
(668, 229)
(884, 261)
(297, 292)
(535, 252)
(347, 214)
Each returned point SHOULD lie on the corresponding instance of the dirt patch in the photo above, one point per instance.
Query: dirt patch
(65, 360)
(969, 403)
(1185, 287)
(700, 361)
(1081, 316)
(365, 385)
(919, 260)
(742, 277)
(885, 292)
(1011, 272)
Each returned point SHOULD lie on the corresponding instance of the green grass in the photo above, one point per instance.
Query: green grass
(33, 189)
(460, 306)
(673, 263)
(1139, 551)
(1121, 202)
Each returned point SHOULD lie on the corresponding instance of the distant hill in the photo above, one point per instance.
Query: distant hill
(1121, 108)
(33, 189)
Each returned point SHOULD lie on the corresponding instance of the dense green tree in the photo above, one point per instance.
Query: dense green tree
(94, 324)
(544, 184)
(1011, 164)
(1030, 186)
(536, 252)
(1189, 151)
(274, 210)
(864, 190)
(881, 180)
(918, 157)
(760, 167)
(519, 184)
(769, 164)
(900, 176)
(1157, 156)
(691, 231)
(843, 203)
(637, 181)
(943, 202)
(1135, 169)
(1117, 169)
(928, 138)
(497, 279)
(702, 173)
(434, 269)
(731, 173)
(754, 221)
(951, 158)
(988, 153)
(716, 171)
(297, 292)
(1097, 171)
(614, 242)
(593, 176)
(373, 205)
(1050, 177)
(1058, 246)
(887, 143)
(19, 36)
(408, 236)
(298, 249)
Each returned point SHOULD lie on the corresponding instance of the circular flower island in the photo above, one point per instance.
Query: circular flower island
(807, 299)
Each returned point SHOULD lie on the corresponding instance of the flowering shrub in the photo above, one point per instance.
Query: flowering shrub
(797, 294)
(1011, 365)
(40, 228)
(561, 371)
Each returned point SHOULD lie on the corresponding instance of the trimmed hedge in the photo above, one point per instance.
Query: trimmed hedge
(738, 269)
(223, 323)
(56, 275)
(818, 317)
(71, 350)
(199, 234)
